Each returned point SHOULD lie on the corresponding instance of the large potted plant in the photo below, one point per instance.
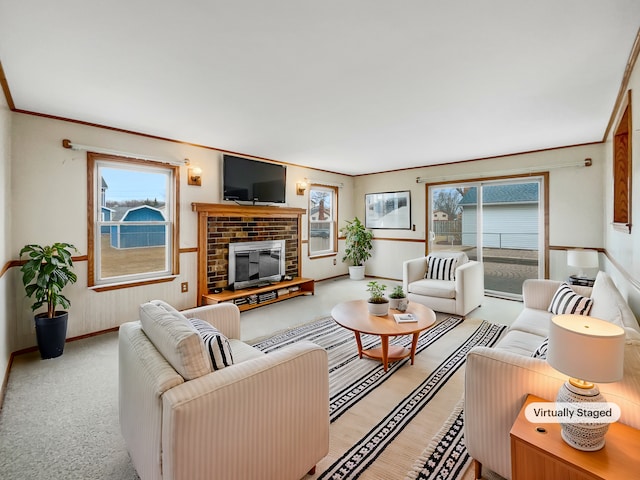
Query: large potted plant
(46, 272)
(357, 248)
(377, 304)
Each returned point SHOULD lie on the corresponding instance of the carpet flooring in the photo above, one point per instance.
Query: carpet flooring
(60, 421)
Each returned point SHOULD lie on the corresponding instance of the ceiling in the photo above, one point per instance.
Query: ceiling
(349, 86)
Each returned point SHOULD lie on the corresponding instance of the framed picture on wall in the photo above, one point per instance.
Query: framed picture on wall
(388, 210)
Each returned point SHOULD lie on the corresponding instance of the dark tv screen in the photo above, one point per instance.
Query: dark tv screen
(246, 180)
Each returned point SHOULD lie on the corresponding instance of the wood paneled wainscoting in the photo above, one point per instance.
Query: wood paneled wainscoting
(221, 224)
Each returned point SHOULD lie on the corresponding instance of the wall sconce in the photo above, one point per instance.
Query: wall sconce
(194, 176)
(301, 187)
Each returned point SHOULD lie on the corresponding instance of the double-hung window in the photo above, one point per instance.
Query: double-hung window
(322, 220)
(133, 221)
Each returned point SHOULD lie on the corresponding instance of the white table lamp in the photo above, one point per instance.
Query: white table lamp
(582, 259)
(588, 350)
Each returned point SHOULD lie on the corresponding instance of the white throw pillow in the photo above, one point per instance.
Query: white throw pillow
(608, 303)
(215, 343)
(566, 301)
(176, 339)
(439, 268)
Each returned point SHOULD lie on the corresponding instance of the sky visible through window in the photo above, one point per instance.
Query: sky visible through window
(125, 184)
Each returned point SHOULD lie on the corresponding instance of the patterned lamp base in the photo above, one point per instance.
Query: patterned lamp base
(588, 437)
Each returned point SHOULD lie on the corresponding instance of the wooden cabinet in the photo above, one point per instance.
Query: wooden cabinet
(539, 453)
(249, 298)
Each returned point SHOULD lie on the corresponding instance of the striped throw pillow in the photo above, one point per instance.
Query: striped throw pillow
(216, 344)
(441, 268)
(541, 351)
(566, 300)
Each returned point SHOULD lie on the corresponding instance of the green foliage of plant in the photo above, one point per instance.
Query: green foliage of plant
(377, 292)
(397, 292)
(358, 243)
(46, 273)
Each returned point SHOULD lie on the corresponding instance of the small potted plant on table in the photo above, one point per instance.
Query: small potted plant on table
(47, 271)
(378, 304)
(396, 297)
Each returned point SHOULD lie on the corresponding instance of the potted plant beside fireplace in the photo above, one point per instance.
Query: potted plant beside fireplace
(357, 247)
(46, 272)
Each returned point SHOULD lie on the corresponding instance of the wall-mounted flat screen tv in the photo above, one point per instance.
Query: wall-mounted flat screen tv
(245, 180)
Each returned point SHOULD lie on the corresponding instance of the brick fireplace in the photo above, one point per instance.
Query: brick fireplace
(221, 224)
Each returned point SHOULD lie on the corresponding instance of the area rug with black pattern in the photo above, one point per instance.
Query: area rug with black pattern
(382, 422)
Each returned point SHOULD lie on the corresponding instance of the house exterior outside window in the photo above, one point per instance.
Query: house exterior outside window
(322, 220)
(133, 234)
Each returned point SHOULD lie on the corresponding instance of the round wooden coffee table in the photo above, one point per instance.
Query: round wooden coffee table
(355, 316)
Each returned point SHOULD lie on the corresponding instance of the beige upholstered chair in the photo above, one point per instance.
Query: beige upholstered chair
(263, 416)
(454, 284)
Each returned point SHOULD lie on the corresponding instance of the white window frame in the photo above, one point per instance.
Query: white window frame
(95, 163)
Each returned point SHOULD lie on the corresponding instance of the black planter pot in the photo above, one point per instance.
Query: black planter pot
(51, 334)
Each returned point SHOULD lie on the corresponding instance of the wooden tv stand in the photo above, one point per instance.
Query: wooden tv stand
(249, 298)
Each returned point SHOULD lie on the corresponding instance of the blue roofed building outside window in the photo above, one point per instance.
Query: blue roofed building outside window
(134, 221)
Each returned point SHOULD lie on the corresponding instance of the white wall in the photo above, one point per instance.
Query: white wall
(320, 267)
(49, 204)
(7, 309)
(45, 201)
(624, 248)
(575, 198)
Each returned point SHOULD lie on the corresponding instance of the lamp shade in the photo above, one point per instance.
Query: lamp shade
(582, 258)
(586, 348)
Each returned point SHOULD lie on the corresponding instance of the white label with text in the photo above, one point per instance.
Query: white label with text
(570, 412)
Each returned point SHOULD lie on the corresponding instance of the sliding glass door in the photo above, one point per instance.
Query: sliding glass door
(500, 223)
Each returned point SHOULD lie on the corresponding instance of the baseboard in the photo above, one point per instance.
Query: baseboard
(5, 381)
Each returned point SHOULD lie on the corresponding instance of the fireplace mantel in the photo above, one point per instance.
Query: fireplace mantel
(214, 209)
(220, 224)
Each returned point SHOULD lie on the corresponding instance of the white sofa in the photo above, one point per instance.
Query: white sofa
(457, 296)
(497, 380)
(265, 416)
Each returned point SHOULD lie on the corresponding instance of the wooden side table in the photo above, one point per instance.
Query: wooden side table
(537, 455)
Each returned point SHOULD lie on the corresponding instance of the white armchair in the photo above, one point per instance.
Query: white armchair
(264, 416)
(458, 295)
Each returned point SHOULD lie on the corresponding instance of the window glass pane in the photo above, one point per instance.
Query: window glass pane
(447, 231)
(321, 220)
(500, 223)
(510, 224)
(134, 222)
